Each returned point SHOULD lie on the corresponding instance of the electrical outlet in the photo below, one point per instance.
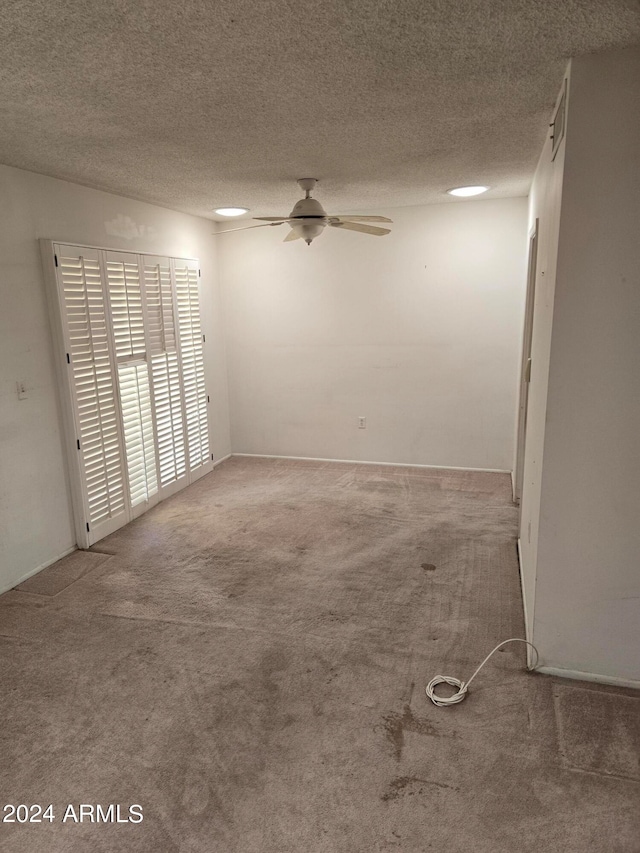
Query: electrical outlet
(22, 390)
(362, 423)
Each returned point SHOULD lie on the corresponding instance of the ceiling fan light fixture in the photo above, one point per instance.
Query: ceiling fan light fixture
(308, 229)
(231, 211)
(467, 192)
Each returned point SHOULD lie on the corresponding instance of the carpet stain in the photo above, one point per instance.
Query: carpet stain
(428, 567)
(262, 698)
(403, 786)
(395, 725)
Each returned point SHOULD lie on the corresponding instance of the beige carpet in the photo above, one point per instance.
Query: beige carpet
(63, 573)
(249, 667)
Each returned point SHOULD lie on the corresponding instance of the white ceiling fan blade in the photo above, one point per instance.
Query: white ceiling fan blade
(364, 229)
(247, 227)
(292, 235)
(271, 218)
(362, 218)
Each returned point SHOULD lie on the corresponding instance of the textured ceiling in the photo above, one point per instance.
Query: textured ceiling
(197, 104)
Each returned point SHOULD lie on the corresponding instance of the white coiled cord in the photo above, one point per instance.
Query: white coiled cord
(463, 686)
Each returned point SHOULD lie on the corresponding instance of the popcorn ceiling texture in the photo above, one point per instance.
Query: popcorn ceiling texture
(193, 105)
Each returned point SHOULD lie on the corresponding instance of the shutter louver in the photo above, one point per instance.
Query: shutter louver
(191, 350)
(93, 384)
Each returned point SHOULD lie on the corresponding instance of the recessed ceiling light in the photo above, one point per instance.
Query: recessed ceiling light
(467, 191)
(231, 211)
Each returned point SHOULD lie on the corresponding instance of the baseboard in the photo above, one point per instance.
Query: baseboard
(220, 461)
(39, 568)
(367, 462)
(578, 675)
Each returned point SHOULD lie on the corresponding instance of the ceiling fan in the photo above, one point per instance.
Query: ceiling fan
(308, 219)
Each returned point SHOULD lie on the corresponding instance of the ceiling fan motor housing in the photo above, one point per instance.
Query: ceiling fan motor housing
(308, 219)
(307, 207)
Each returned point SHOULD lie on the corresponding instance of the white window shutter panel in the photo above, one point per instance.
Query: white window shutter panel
(135, 402)
(124, 280)
(125, 298)
(192, 357)
(159, 296)
(165, 374)
(93, 388)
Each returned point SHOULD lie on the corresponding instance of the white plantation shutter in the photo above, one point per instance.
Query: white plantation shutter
(93, 389)
(153, 293)
(165, 373)
(191, 350)
(127, 315)
(169, 418)
(125, 298)
(159, 296)
(132, 372)
(137, 421)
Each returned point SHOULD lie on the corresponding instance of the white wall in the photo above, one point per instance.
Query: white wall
(418, 331)
(587, 610)
(545, 207)
(35, 518)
